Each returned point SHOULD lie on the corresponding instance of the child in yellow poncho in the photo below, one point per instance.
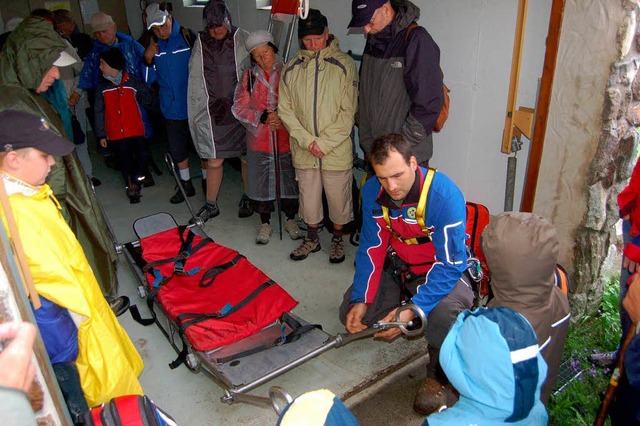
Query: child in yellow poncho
(84, 333)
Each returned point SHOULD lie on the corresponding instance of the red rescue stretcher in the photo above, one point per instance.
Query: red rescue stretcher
(222, 315)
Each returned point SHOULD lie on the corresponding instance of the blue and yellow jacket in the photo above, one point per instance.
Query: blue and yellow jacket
(442, 261)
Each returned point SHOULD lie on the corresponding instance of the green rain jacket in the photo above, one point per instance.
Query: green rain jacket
(28, 54)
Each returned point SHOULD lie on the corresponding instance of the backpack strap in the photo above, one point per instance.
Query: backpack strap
(407, 32)
(444, 112)
(420, 214)
(561, 278)
(189, 36)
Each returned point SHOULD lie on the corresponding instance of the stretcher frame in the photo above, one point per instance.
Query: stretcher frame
(237, 377)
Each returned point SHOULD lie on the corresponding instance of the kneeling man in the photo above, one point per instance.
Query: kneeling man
(412, 249)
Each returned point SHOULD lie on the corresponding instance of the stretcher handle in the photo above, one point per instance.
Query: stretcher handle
(413, 328)
(172, 169)
(278, 398)
(416, 327)
(278, 394)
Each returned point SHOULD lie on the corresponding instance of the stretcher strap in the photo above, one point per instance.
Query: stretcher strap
(297, 331)
(135, 313)
(209, 277)
(184, 252)
(188, 319)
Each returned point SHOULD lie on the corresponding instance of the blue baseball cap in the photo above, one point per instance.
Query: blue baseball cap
(362, 11)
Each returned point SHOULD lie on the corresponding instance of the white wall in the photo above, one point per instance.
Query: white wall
(476, 43)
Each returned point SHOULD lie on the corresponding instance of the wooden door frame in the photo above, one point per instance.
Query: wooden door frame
(544, 101)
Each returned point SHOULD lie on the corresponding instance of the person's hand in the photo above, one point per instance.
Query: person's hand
(103, 143)
(354, 318)
(631, 300)
(315, 150)
(16, 369)
(394, 332)
(73, 99)
(629, 264)
(274, 122)
(150, 51)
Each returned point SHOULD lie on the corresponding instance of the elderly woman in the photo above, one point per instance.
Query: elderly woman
(268, 152)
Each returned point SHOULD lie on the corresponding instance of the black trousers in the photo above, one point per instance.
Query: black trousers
(133, 157)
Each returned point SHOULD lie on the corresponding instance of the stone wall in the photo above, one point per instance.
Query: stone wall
(611, 166)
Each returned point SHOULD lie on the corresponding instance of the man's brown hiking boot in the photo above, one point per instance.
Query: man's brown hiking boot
(433, 395)
(308, 246)
(436, 391)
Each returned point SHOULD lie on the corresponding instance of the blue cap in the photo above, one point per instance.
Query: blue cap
(362, 11)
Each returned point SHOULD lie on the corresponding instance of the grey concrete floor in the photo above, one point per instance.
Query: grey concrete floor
(378, 379)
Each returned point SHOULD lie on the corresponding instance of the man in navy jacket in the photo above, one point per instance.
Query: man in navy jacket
(400, 78)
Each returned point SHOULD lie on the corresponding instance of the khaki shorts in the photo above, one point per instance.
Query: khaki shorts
(337, 187)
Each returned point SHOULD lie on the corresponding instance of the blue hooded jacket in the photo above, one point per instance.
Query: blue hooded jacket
(172, 73)
(491, 357)
(133, 56)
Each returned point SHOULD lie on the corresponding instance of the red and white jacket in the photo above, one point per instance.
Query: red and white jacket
(118, 109)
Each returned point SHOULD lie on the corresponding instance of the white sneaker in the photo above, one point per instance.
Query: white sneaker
(291, 226)
(264, 232)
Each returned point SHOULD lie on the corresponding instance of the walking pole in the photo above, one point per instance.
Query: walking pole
(615, 379)
(276, 162)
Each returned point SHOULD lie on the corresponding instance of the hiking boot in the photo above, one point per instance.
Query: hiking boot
(206, 212)
(118, 305)
(292, 228)
(264, 232)
(133, 192)
(433, 395)
(436, 391)
(188, 188)
(244, 207)
(605, 359)
(336, 251)
(308, 246)
(148, 181)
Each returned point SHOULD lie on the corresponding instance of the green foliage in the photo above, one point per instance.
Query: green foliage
(610, 317)
(578, 403)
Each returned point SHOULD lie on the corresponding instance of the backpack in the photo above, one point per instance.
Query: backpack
(444, 112)
(477, 219)
(130, 410)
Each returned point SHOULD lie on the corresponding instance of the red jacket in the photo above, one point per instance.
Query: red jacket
(628, 203)
(118, 113)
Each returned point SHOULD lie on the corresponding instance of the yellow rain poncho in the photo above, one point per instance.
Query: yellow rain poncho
(108, 362)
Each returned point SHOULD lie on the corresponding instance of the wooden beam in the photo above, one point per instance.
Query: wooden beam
(514, 79)
(544, 101)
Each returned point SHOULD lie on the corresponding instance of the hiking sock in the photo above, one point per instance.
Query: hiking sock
(211, 204)
(204, 173)
(312, 233)
(265, 217)
(184, 174)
